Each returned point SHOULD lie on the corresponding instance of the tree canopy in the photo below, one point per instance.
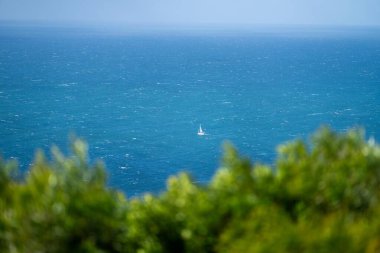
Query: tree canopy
(318, 196)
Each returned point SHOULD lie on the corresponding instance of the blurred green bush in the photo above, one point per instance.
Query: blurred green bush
(318, 197)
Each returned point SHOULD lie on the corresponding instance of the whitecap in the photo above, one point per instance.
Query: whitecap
(64, 85)
(315, 113)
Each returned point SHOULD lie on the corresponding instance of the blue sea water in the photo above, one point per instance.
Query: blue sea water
(138, 98)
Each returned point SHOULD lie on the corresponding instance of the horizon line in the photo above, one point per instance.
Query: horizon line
(112, 24)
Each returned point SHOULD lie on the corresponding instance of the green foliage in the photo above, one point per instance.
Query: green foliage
(62, 206)
(318, 197)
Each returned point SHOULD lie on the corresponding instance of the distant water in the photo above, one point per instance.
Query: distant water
(138, 99)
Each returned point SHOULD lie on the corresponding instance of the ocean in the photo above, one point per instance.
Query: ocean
(139, 97)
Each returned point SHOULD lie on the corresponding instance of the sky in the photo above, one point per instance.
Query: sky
(195, 12)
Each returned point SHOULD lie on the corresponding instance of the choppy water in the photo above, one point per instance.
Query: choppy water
(138, 99)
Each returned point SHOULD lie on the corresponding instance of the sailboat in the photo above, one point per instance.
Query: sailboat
(200, 131)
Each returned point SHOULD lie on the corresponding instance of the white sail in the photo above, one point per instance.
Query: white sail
(200, 131)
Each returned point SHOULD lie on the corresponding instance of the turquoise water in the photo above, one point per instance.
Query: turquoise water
(138, 98)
